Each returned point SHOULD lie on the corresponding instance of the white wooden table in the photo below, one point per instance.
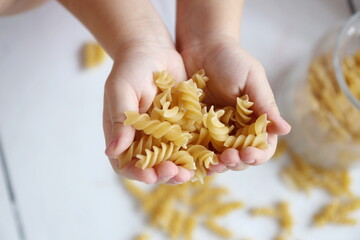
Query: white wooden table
(50, 126)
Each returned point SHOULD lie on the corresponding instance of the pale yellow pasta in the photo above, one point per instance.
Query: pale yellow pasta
(172, 115)
(229, 116)
(217, 130)
(282, 214)
(265, 211)
(337, 212)
(143, 236)
(162, 213)
(207, 194)
(256, 128)
(190, 225)
(217, 229)
(200, 79)
(207, 207)
(201, 138)
(137, 192)
(243, 111)
(156, 156)
(304, 176)
(286, 219)
(162, 98)
(226, 208)
(159, 194)
(137, 147)
(240, 142)
(203, 158)
(164, 80)
(157, 128)
(183, 159)
(93, 55)
(176, 224)
(189, 100)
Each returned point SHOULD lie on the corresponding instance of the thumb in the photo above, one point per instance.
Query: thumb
(259, 91)
(119, 97)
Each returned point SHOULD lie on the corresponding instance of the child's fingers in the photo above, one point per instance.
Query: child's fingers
(255, 156)
(166, 171)
(231, 158)
(259, 91)
(120, 97)
(147, 175)
(218, 168)
(182, 176)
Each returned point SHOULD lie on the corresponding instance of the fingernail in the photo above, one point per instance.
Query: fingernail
(232, 165)
(251, 161)
(111, 146)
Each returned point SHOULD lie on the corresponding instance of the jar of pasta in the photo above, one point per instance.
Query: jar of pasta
(321, 100)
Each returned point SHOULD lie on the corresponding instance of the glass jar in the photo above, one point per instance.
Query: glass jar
(321, 100)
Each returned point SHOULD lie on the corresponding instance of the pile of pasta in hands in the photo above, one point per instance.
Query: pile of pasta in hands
(180, 128)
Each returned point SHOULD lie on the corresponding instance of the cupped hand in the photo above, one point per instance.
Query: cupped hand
(130, 87)
(233, 72)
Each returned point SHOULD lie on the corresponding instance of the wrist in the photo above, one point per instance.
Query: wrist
(215, 40)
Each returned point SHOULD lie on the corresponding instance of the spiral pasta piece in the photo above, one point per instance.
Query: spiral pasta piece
(203, 158)
(137, 147)
(226, 208)
(242, 141)
(172, 115)
(158, 155)
(242, 110)
(162, 98)
(265, 211)
(176, 224)
(217, 129)
(189, 100)
(200, 79)
(201, 138)
(164, 80)
(143, 236)
(256, 128)
(229, 116)
(183, 159)
(190, 224)
(157, 128)
(217, 229)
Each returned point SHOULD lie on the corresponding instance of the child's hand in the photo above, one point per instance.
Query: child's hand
(130, 86)
(233, 73)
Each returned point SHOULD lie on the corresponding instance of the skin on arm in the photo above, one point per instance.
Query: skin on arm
(134, 36)
(8, 7)
(208, 37)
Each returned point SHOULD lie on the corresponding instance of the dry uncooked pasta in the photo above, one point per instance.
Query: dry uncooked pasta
(164, 80)
(143, 236)
(337, 212)
(178, 127)
(303, 176)
(243, 111)
(179, 210)
(282, 214)
(157, 128)
(93, 55)
(217, 229)
(154, 157)
(331, 107)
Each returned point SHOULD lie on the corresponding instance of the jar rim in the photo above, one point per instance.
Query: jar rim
(337, 64)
